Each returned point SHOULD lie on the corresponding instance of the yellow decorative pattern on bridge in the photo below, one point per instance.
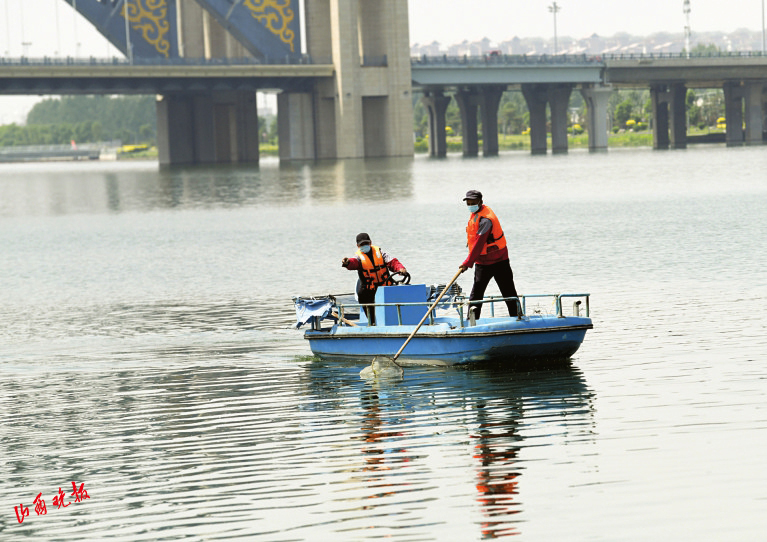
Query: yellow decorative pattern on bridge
(150, 17)
(276, 15)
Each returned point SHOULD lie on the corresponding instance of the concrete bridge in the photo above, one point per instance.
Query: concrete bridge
(205, 59)
(478, 82)
(350, 94)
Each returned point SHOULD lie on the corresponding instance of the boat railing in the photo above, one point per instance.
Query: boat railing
(342, 309)
(576, 305)
(558, 303)
(460, 302)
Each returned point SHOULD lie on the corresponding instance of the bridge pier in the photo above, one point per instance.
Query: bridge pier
(295, 126)
(733, 113)
(436, 104)
(669, 115)
(468, 104)
(754, 113)
(597, 97)
(678, 113)
(659, 99)
(490, 99)
(207, 127)
(536, 98)
(366, 108)
(559, 99)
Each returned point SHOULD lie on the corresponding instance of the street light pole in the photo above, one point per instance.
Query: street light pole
(686, 10)
(128, 47)
(554, 8)
(58, 28)
(74, 22)
(7, 31)
(764, 43)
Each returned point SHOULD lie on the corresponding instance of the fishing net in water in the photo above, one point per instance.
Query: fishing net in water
(382, 367)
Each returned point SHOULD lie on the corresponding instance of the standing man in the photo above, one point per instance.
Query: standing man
(373, 266)
(487, 249)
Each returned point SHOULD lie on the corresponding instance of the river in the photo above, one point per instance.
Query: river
(147, 355)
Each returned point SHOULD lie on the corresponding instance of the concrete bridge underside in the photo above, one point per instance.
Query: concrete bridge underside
(485, 100)
(742, 79)
(550, 84)
(360, 107)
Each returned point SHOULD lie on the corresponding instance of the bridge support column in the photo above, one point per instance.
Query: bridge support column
(207, 127)
(436, 104)
(678, 115)
(659, 96)
(468, 104)
(754, 113)
(535, 96)
(733, 113)
(175, 137)
(489, 102)
(559, 99)
(295, 126)
(597, 98)
(366, 109)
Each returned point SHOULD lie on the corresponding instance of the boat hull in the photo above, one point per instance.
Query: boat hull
(492, 339)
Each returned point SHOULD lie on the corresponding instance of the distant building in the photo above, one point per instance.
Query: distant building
(621, 43)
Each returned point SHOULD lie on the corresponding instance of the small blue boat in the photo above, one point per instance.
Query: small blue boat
(341, 331)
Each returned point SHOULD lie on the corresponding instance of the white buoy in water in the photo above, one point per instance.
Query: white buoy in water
(382, 367)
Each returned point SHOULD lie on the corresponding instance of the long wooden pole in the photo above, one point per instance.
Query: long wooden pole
(394, 359)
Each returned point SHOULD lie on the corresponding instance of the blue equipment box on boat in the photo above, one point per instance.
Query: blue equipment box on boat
(411, 315)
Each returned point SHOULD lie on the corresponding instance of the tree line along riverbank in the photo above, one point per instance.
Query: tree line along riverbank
(131, 120)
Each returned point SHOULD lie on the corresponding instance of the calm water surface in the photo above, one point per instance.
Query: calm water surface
(146, 351)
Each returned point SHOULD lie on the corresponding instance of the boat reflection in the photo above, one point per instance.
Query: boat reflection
(413, 437)
(496, 451)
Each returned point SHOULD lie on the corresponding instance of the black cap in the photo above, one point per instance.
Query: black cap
(362, 237)
(473, 194)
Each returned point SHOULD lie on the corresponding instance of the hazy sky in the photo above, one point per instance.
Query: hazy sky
(50, 28)
(450, 21)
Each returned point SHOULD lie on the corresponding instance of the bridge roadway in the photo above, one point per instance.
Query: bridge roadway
(477, 84)
(100, 76)
(549, 80)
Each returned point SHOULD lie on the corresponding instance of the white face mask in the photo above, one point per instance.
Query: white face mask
(365, 249)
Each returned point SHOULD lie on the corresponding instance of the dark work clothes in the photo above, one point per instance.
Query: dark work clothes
(368, 296)
(504, 278)
(493, 265)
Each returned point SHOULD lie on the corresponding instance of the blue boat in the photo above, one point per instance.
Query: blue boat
(341, 331)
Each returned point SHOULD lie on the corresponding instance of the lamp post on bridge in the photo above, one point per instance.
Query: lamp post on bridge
(7, 32)
(77, 43)
(686, 10)
(764, 43)
(554, 8)
(128, 47)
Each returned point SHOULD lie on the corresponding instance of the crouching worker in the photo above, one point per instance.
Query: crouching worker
(374, 267)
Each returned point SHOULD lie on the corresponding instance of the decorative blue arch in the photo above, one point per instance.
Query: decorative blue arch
(152, 23)
(268, 29)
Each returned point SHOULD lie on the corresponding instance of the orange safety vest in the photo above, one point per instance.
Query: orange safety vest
(374, 272)
(495, 240)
